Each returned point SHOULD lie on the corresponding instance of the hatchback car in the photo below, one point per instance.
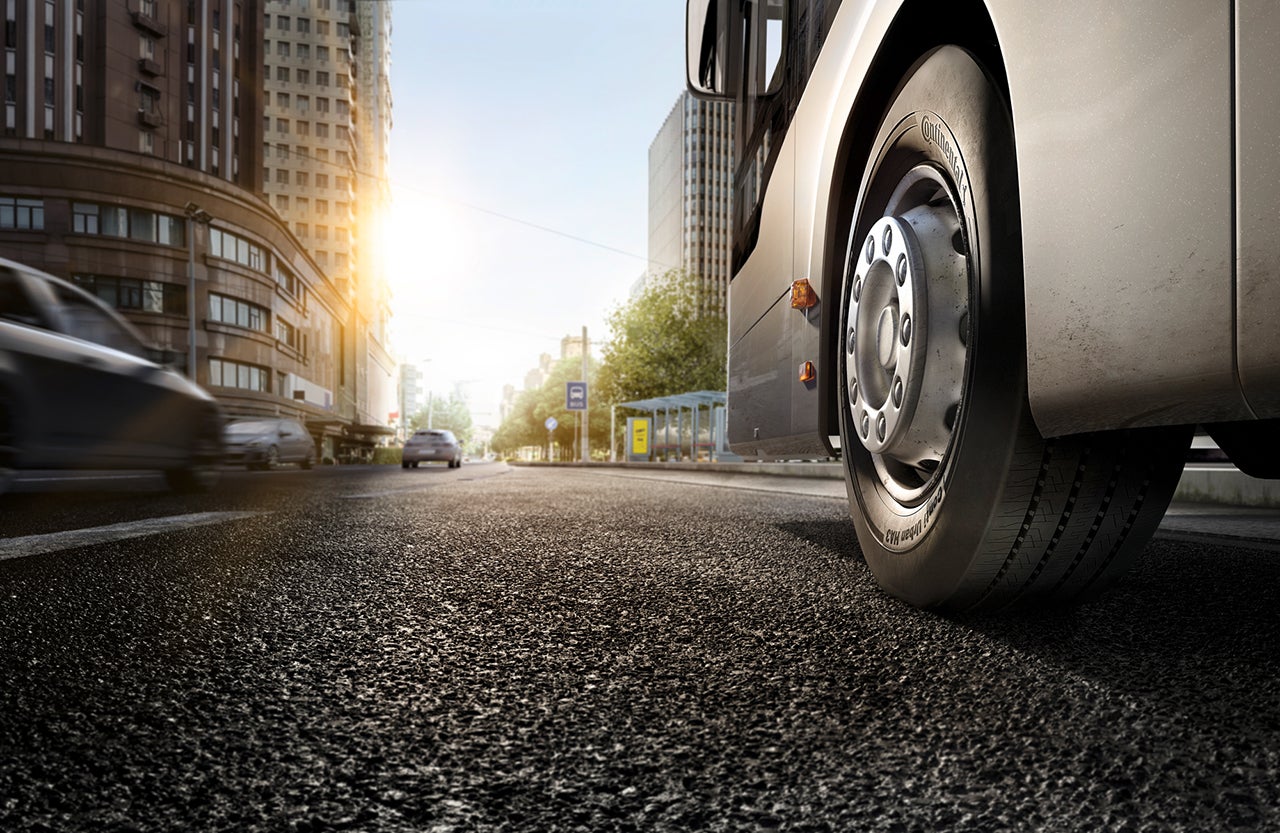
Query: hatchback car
(432, 444)
(80, 390)
(266, 443)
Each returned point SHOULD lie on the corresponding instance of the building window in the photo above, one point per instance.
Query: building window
(131, 223)
(27, 215)
(134, 294)
(286, 333)
(225, 245)
(227, 310)
(322, 54)
(282, 74)
(228, 374)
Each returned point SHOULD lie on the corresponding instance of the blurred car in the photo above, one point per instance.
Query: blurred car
(79, 389)
(267, 442)
(431, 444)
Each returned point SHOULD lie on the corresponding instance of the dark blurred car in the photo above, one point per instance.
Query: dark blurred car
(431, 444)
(80, 390)
(265, 443)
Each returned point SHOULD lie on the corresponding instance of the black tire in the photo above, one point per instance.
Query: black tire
(203, 467)
(8, 445)
(308, 461)
(959, 502)
(404, 465)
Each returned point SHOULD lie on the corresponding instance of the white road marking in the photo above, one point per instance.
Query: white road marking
(56, 541)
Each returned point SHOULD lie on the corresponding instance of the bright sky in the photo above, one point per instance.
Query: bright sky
(541, 112)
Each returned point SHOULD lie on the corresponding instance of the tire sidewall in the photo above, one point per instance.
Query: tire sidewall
(949, 113)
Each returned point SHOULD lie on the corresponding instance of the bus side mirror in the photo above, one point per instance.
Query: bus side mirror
(707, 45)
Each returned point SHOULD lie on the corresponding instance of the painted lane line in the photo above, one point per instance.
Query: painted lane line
(29, 545)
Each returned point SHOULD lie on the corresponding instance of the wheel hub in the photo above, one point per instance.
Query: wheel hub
(905, 332)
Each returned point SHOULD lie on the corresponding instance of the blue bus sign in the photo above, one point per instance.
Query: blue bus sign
(575, 396)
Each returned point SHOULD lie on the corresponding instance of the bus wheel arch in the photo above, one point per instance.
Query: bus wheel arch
(980, 511)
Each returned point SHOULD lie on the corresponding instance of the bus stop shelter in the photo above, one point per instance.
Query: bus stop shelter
(665, 445)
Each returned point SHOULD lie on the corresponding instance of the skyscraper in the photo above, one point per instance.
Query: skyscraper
(691, 164)
(327, 129)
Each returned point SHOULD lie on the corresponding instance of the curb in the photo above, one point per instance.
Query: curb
(1200, 483)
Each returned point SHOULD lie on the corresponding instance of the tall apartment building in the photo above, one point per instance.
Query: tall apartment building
(131, 162)
(326, 134)
(691, 163)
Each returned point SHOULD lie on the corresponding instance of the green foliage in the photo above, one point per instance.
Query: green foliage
(671, 339)
(524, 426)
(386, 456)
(450, 414)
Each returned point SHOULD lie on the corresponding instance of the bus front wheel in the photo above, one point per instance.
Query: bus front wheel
(959, 502)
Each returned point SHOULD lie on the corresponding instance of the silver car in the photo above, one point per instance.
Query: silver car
(80, 390)
(432, 444)
(266, 443)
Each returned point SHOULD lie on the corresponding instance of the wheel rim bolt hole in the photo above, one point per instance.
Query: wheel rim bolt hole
(853, 340)
(881, 427)
(906, 329)
(902, 270)
(886, 243)
(871, 249)
(897, 392)
(866, 425)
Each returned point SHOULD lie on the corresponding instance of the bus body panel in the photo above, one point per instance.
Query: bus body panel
(1126, 164)
(1258, 202)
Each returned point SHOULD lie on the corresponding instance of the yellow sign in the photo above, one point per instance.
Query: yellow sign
(640, 436)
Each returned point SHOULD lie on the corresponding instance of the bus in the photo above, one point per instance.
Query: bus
(1002, 258)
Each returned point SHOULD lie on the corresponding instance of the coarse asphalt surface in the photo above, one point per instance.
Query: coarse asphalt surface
(563, 650)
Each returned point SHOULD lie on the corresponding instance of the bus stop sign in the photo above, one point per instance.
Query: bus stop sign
(575, 396)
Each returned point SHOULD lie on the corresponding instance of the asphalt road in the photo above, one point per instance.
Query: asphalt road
(560, 650)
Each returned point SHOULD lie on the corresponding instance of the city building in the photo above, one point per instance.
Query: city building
(132, 158)
(691, 164)
(327, 129)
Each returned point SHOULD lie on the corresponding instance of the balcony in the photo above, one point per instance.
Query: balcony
(149, 67)
(149, 24)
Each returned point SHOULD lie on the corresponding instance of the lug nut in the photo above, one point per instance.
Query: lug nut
(853, 390)
(897, 392)
(902, 269)
(866, 426)
(857, 290)
(906, 330)
(880, 427)
(887, 241)
(871, 248)
(853, 341)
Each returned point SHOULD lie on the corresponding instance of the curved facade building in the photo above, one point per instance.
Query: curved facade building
(132, 163)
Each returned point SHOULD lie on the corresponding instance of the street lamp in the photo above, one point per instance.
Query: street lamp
(195, 214)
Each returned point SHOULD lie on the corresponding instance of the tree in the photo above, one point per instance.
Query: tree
(525, 425)
(671, 339)
(450, 414)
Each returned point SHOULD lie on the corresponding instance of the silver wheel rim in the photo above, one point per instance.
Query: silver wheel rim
(906, 334)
